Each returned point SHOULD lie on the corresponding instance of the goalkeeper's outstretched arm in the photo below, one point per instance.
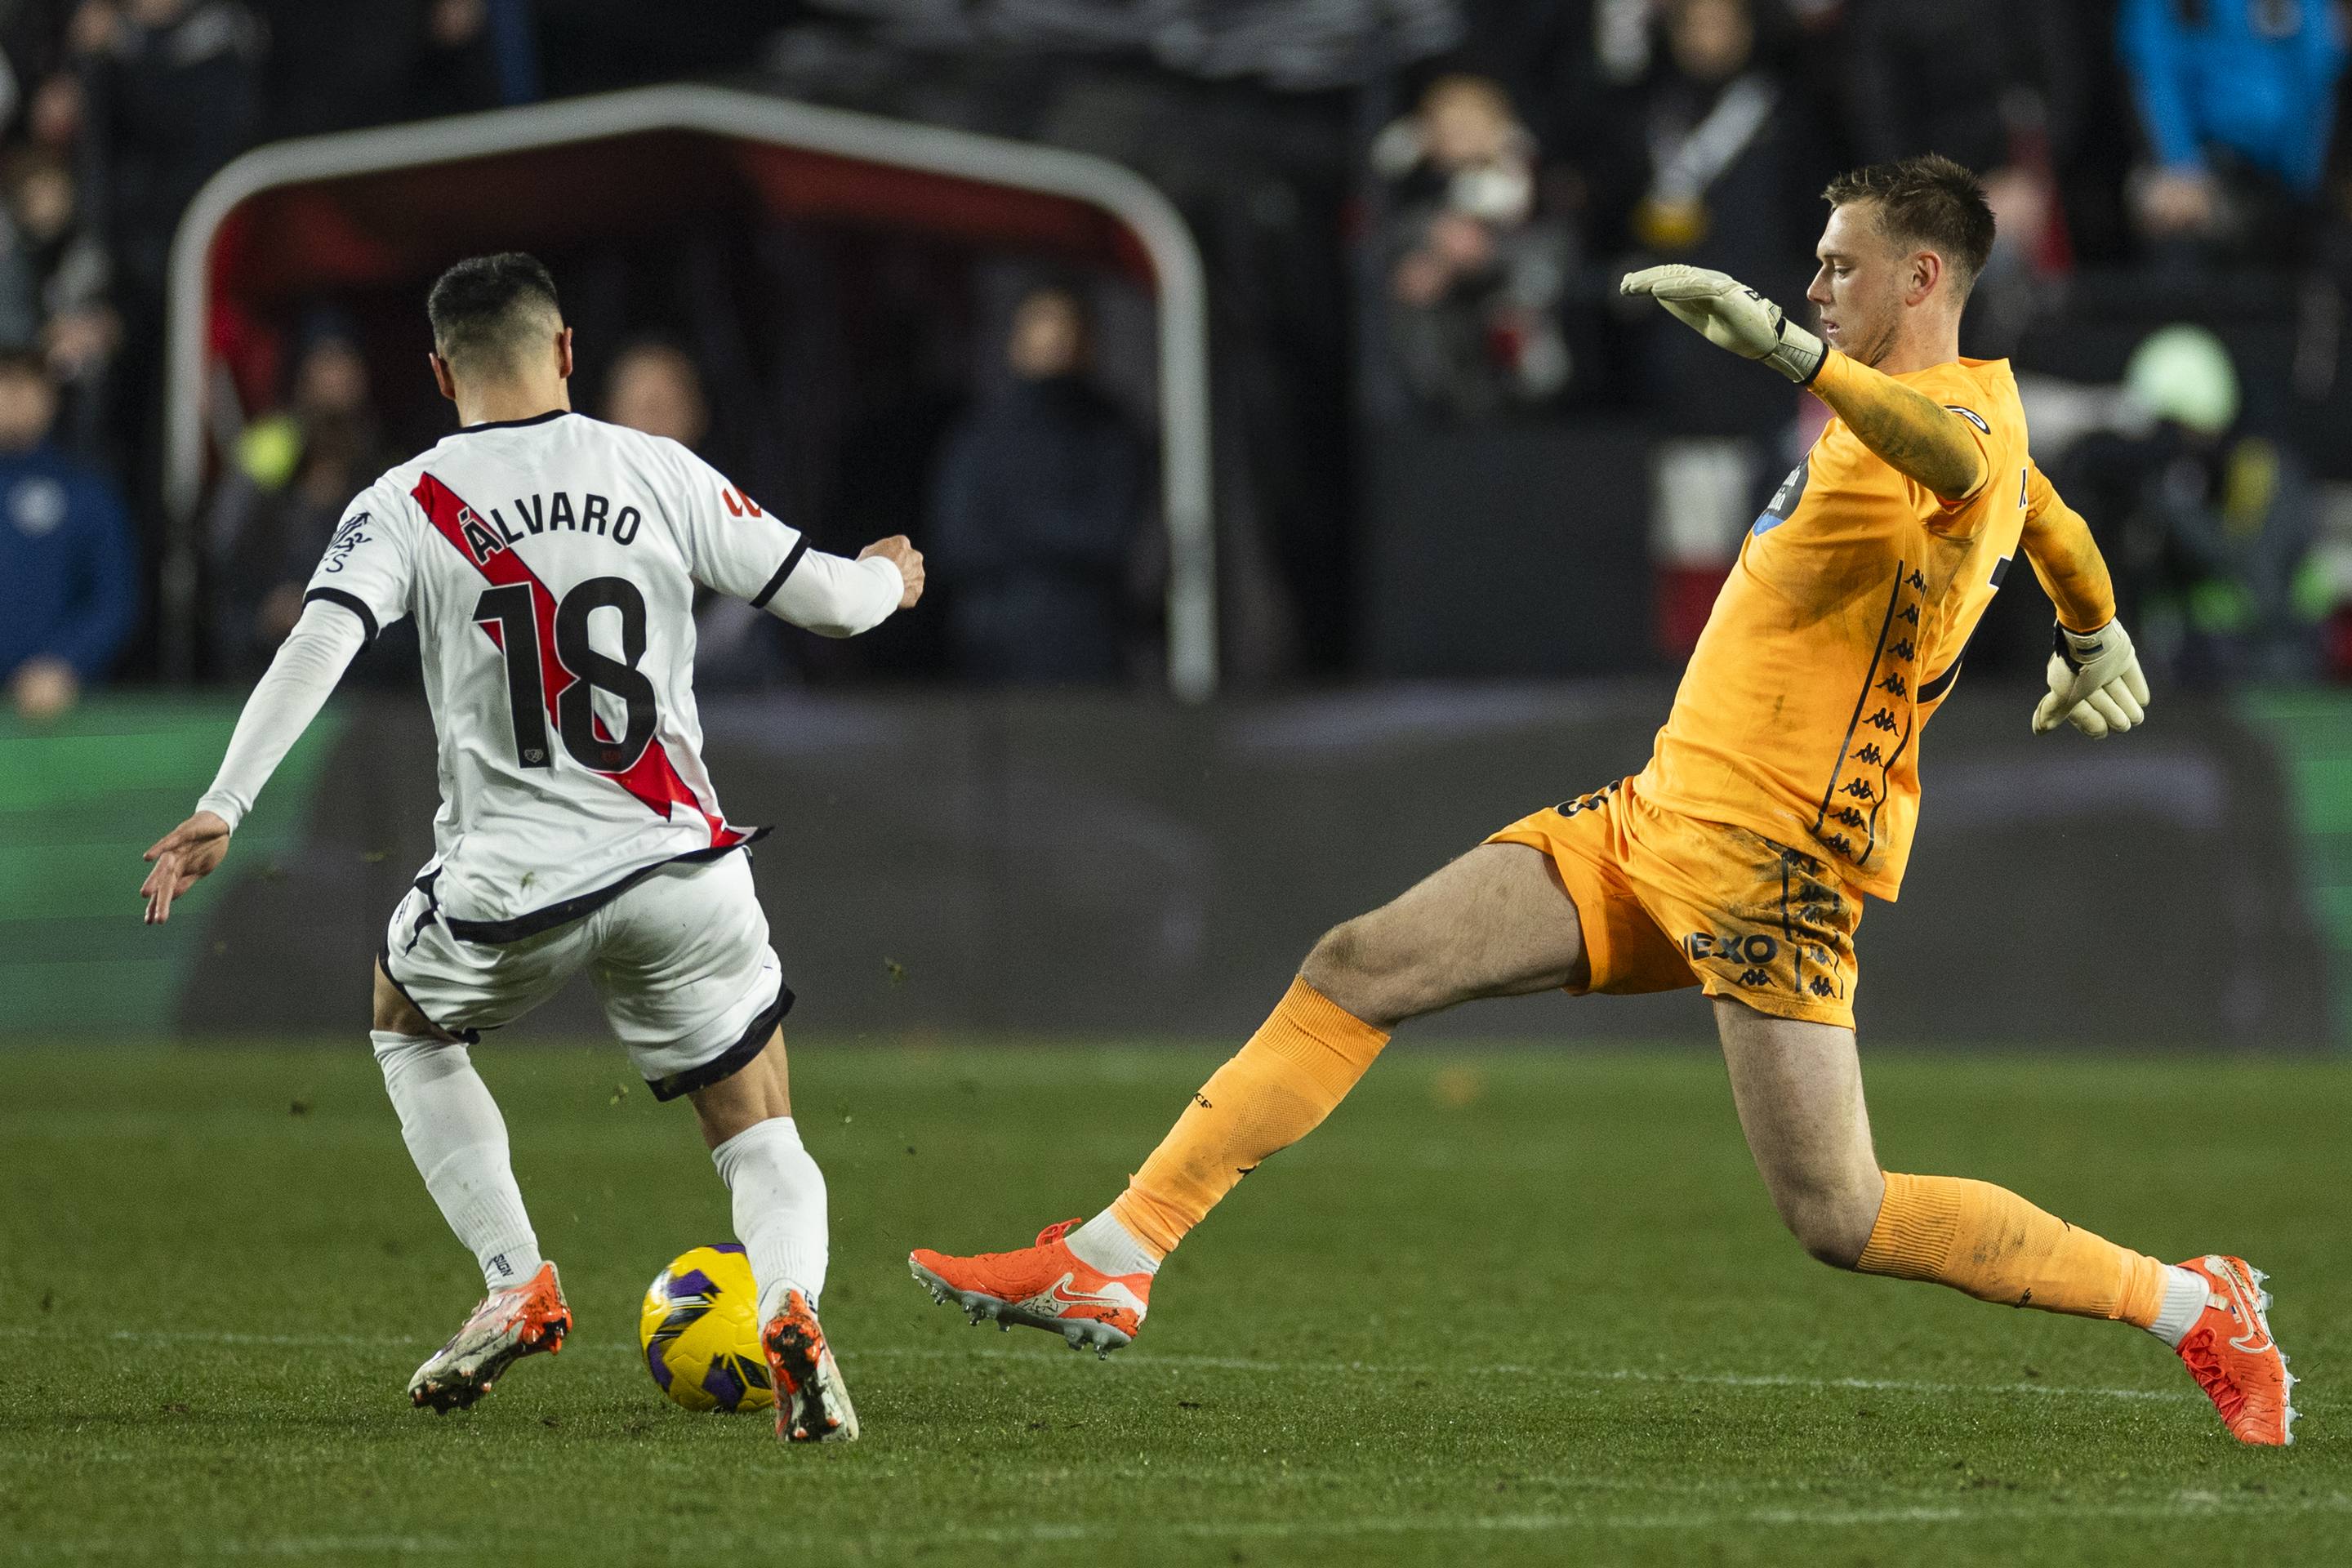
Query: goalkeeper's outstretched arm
(2094, 673)
(1918, 436)
(2066, 558)
(309, 663)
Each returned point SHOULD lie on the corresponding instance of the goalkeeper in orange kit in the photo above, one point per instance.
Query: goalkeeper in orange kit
(1783, 789)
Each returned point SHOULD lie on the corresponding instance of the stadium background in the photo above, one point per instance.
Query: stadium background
(1465, 512)
(1370, 521)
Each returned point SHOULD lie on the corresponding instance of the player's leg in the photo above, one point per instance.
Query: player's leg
(1798, 1086)
(779, 1199)
(1495, 922)
(695, 991)
(456, 1136)
(777, 1190)
(458, 1141)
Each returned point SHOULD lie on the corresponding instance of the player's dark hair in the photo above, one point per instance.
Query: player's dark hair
(485, 307)
(1929, 202)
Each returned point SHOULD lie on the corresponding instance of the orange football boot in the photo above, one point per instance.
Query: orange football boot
(811, 1400)
(1045, 1286)
(509, 1323)
(2233, 1358)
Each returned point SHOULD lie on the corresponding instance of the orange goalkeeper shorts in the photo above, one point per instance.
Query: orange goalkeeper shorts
(1667, 901)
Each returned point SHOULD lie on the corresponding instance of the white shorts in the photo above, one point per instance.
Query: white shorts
(681, 959)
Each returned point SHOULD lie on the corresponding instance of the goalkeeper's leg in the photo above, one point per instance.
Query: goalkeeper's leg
(1495, 922)
(1798, 1086)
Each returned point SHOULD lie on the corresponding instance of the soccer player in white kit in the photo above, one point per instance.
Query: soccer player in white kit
(551, 561)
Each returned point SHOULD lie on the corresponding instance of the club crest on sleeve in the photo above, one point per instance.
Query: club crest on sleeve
(350, 534)
(1784, 499)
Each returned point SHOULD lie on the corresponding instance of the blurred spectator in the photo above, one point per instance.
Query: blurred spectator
(654, 388)
(53, 277)
(1705, 171)
(175, 93)
(2236, 98)
(1036, 515)
(1989, 83)
(274, 512)
(2207, 526)
(1993, 84)
(67, 582)
(339, 65)
(1474, 272)
(1708, 112)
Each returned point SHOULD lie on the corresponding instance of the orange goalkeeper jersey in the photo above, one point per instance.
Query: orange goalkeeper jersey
(1840, 630)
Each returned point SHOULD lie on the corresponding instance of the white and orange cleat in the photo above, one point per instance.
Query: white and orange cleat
(811, 1401)
(511, 1324)
(2229, 1351)
(1044, 1286)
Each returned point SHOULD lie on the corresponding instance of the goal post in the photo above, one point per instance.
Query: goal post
(372, 205)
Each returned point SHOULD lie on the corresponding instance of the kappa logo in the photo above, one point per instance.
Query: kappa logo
(1592, 802)
(350, 534)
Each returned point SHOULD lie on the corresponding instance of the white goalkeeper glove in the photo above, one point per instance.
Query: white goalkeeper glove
(2096, 684)
(1731, 315)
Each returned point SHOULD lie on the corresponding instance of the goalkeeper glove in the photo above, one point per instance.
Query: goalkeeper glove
(2095, 684)
(1731, 315)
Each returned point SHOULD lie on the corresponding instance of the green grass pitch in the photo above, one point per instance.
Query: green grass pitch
(1530, 1306)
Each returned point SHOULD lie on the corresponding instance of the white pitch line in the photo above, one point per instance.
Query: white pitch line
(145, 1547)
(1566, 1373)
(1234, 1364)
(2181, 1505)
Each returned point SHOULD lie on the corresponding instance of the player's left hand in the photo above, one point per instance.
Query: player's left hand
(1730, 315)
(181, 859)
(900, 551)
(2096, 684)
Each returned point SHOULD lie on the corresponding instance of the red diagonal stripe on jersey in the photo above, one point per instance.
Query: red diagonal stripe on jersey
(653, 778)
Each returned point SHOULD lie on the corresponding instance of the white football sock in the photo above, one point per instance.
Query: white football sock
(458, 1141)
(1103, 1243)
(2184, 1293)
(779, 1210)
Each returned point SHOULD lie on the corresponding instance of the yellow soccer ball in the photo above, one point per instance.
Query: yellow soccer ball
(699, 1329)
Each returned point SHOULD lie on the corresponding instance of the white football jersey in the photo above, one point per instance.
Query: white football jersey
(551, 564)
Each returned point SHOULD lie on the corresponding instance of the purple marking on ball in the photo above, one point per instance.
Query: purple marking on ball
(658, 1362)
(723, 1383)
(693, 1283)
(726, 1246)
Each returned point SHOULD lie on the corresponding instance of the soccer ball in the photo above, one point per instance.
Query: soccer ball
(701, 1331)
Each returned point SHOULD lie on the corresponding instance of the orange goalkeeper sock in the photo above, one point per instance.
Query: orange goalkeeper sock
(1992, 1244)
(1299, 1065)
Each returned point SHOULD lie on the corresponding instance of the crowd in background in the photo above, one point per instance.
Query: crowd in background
(1500, 163)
